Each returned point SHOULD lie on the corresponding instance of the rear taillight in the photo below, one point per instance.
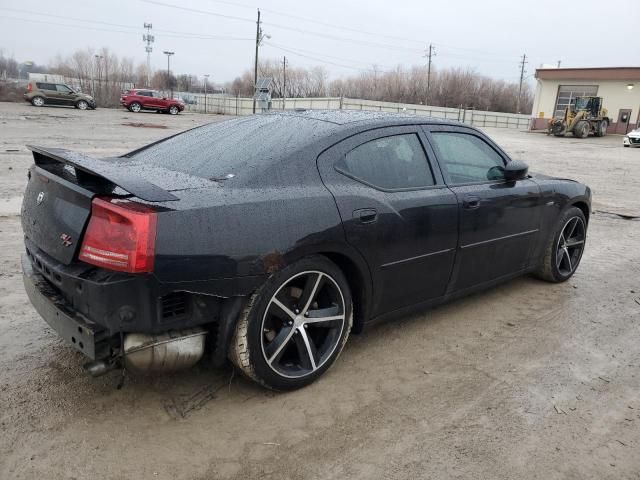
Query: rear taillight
(120, 236)
(29, 87)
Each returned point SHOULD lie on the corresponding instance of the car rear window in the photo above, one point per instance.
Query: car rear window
(234, 146)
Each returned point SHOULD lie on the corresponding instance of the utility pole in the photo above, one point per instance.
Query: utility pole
(284, 80)
(149, 39)
(206, 80)
(559, 62)
(523, 62)
(255, 67)
(430, 55)
(98, 58)
(168, 54)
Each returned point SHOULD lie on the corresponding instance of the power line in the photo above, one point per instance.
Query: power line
(284, 27)
(171, 33)
(316, 54)
(311, 57)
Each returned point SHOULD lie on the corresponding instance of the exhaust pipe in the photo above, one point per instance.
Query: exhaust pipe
(164, 352)
(100, 367)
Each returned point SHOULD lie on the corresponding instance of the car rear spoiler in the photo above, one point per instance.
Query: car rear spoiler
(97, 169)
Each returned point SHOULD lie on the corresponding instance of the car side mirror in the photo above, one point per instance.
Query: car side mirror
(516, 170)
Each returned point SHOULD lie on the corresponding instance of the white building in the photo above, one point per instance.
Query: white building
(619, 88)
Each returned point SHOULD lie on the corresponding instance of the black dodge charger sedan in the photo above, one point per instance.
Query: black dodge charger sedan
(268, 239)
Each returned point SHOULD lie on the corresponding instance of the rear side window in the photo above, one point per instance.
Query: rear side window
(395, 162)
(467, 158)
(46, 86)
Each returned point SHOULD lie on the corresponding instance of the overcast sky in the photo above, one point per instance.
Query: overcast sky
(347, 36)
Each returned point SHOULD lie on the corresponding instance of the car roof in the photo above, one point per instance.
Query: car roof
(361, 118)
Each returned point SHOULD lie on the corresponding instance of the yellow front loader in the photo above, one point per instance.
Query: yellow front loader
(586, 117)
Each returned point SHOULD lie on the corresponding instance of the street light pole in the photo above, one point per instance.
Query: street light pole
(168, 54)
(206, 80)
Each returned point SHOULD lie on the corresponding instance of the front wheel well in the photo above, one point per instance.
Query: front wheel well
(585, 209)
(356, 281)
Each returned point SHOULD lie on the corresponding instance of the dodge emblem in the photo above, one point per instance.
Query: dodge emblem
(40, 198)
(66, 240)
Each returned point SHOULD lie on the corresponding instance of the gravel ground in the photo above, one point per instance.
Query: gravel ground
(527, 380)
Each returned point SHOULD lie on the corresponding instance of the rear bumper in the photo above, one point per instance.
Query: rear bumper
(85, 336)
(117, 302)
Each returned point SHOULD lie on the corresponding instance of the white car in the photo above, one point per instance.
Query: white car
(632, 139)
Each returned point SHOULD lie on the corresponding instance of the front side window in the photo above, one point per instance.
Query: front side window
(63, 89)
(467, 158)
(395, 162)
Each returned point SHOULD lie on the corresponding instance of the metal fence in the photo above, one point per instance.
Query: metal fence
(229, 105)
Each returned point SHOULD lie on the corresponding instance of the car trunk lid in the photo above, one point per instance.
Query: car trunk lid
(57, 202)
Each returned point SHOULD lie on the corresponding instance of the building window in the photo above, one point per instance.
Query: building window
(567, 96)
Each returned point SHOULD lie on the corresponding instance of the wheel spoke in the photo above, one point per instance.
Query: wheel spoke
(276, 347)
(310, 289)
(324, 315)
(559, 257)
(574, 243)
(570, 228)
(282, 308)
(566, 251)
(306, 349)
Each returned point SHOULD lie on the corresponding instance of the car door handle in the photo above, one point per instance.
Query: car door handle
(366, 215)
(471, 203)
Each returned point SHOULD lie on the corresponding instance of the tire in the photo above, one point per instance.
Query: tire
(37, 101)
(558, 129)
(82, 105)
(559, 264)
(602, 130)
(173, 110)
(135, 107)
(288, 351)
(625, 145)
(581, 130)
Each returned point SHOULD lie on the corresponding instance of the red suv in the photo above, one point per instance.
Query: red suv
(145, 99)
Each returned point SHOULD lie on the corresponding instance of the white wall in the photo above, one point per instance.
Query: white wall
(227, 105)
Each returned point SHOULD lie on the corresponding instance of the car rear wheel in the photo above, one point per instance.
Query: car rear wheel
(37, 101)
(82, 105)
(565, 247)
(173, 110)
(295, 326)
(135, 107)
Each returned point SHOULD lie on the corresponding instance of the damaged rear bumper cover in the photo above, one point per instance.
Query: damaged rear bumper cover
(100, 341)
(85, 336)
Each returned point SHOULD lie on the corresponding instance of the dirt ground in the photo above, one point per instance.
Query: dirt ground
(528, 380)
